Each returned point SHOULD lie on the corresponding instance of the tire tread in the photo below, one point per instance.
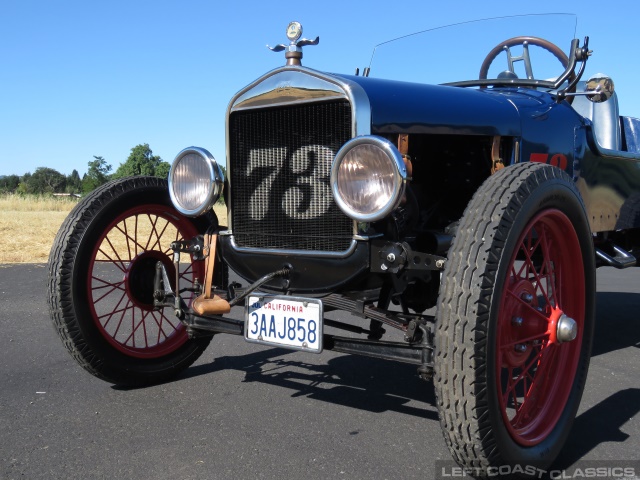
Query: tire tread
(464, 307)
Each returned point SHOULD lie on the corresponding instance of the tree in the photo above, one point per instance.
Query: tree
(44, 180)
(142, 161)
(74, 183)
(24, 181)
(9, 183)
(97, 174)
(162, 170)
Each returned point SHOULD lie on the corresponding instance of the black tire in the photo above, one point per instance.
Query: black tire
(493, 350)
(101, 283)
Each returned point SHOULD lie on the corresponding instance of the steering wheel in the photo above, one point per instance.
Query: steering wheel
(524, 40)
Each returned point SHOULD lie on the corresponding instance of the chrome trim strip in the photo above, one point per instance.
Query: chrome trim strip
(299, 253)
(279, 89)
(357, 238)
(291, 85)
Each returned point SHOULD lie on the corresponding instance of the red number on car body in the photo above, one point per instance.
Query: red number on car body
(557, 160)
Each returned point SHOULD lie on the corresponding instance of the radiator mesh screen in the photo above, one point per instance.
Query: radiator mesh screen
(280, 166)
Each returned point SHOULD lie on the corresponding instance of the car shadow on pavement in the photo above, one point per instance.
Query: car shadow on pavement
(379, 385)
(600, 424)
(617, 322)
(358, 382)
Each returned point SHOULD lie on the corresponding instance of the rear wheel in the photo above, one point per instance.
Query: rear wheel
(101, 272)
(515, 320)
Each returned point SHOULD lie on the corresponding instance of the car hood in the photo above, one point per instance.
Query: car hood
(419, 108)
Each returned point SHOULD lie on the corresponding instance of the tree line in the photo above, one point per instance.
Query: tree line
(46, 180)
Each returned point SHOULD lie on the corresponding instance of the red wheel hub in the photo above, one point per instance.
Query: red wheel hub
(534, 370)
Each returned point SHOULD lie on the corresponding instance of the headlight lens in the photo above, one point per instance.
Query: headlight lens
(195, 181)
(368, 178)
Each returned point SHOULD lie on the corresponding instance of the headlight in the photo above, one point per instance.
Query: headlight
(195, 181)
(368, 178)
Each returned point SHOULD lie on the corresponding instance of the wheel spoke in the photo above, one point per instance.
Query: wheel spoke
(129, 238)
(160, 329)
(509, 386)
(187, 271)
(544, 372)
(134, 327)
(159, 236)
(514, 398)
(113, 288)
(534, 398)
(135, 220)
(524, 266)
(526, 369)
(127, 307)
(532, 268)
(144, 329)
(122, 267)
(164, 320)
(116, 310)
(150, 234)
(168, 320)
(106, 284)
(112, 313)
(108, 240)
(550, 271)
(527, 251)
(126, 236)
(509, 346)
(133, 330)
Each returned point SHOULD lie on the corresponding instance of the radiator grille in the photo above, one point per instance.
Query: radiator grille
(280, 165)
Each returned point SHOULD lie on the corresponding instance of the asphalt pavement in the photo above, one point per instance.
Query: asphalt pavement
(245, 411)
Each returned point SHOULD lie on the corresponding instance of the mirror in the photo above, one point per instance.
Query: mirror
(599, 88)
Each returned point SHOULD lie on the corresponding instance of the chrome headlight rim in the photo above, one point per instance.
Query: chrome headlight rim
(215, 181)
(399, 178)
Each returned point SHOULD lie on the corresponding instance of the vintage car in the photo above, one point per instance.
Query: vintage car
(467, 219)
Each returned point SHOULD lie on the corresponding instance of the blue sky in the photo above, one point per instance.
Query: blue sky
(85, 78)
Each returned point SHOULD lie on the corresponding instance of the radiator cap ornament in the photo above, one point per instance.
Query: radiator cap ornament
(293, 51)
(294, 31)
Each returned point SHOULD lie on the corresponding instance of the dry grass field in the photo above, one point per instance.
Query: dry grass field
(28, 226)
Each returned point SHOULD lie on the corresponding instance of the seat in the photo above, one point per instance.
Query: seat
(604, 116)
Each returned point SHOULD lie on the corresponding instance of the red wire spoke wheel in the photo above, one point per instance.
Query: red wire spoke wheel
(514, 322)
(120, 280)
(101, 282)
(535, 365)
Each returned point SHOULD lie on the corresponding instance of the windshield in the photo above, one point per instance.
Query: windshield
(456, 52)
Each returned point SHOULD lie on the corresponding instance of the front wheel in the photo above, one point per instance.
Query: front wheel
(101, 282)
(515, 321)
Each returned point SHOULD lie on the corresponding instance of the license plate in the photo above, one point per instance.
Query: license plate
(289, 322)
